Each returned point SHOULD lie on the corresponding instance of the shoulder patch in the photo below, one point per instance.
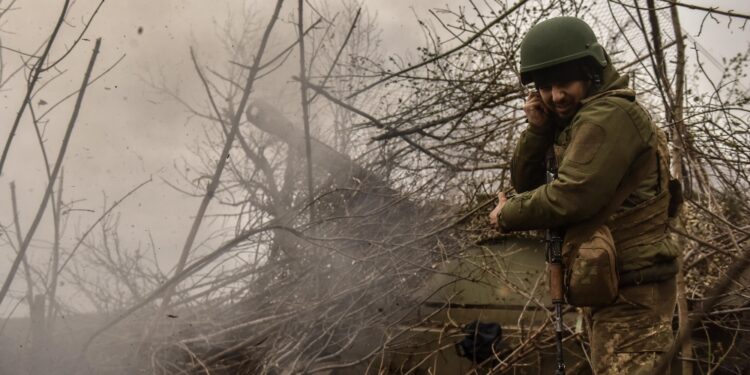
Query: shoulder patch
(587, 141)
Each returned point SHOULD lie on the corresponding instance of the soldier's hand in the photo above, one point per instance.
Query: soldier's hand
(495, 214)
(536, 112)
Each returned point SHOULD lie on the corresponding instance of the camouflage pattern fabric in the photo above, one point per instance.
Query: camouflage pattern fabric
(631, 335)
(595, 149)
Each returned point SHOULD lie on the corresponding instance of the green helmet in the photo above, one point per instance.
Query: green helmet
(556, 41)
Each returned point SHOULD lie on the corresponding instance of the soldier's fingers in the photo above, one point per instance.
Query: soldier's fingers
(543, 106)
(533, 107)
(537, 104)
(536, 111)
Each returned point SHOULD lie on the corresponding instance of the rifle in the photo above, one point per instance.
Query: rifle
(554, 239)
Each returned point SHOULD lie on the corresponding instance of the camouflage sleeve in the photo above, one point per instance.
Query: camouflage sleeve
(604, 144)
(527, 166)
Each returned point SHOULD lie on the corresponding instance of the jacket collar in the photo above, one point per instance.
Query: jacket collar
(612, 84)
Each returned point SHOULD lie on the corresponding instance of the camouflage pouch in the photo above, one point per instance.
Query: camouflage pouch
(591, 274)
(591, 277)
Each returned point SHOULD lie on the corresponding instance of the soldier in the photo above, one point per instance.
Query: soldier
(583, 109)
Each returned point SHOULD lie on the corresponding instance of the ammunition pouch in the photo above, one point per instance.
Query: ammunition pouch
(591, 274)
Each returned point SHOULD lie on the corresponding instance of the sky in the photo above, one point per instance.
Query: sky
(129, 131)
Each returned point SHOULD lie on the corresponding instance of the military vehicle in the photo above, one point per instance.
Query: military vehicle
(502, 284)
(489, 303)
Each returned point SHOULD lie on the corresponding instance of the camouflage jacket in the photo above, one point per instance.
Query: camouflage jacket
(594, 151)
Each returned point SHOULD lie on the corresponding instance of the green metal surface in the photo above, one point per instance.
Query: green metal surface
(502, 283)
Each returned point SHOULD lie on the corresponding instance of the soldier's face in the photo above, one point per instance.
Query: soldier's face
(564, 98)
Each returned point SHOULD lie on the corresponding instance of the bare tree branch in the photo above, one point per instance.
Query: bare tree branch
(58, 165)
(38, 68)
(709, 10)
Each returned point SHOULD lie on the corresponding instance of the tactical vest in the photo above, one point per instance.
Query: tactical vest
(640, 226)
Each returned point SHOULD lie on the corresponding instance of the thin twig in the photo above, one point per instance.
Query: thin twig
(710, 10)
(19, 239)
(178, 277)
(91, 82)
(78, 39)
(444, 54)
(281, 54)
(737, 268)
(305, 112)
(377, 123)
(55, 171)
(224, 155)
(38, 67)
(98, 220)
(338, 54)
